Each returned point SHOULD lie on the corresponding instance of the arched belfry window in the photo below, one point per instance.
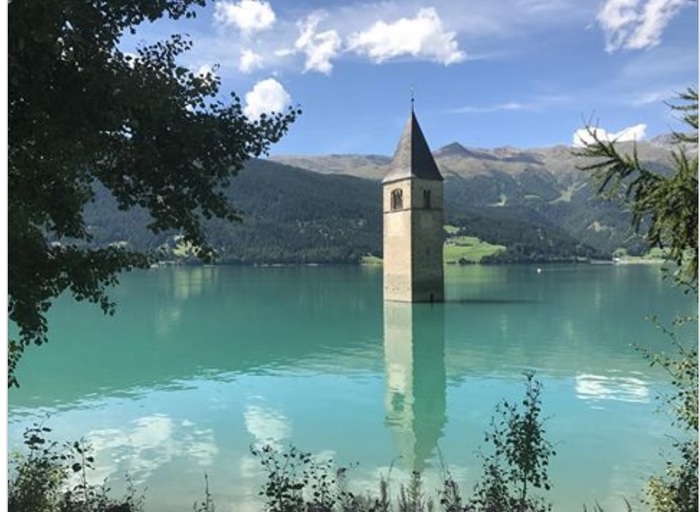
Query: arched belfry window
(426, 199)
(397, 199)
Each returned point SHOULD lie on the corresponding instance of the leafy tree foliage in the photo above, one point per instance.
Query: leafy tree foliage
(81, 112)
(665, 210)
(668, 203)
(677, 489)
(53, 477)
(520, 458)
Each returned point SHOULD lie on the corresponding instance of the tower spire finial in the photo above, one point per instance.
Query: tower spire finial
(413, 98)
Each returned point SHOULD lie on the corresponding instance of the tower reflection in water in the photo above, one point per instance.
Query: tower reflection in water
(414, 358)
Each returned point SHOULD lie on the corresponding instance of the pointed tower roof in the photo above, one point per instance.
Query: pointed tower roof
(413, 158)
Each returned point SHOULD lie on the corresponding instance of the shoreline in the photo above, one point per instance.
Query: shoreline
(377, 262)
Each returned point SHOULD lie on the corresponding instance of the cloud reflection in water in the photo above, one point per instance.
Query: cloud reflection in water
(600, 387)
(151, 442)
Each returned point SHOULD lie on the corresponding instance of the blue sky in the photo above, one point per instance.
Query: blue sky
(486, 73)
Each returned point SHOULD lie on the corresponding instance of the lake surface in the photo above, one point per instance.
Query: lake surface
(201, 363)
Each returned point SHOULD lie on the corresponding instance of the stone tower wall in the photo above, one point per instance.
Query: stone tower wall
(397, 244)
(427, 242)
(413, 240)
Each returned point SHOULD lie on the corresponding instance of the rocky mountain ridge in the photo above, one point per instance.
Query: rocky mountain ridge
(539, 185)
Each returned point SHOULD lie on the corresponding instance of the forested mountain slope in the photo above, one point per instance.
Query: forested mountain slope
(534, 202)
(288, 215)
(542, 186)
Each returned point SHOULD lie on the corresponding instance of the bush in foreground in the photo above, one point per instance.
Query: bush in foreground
(43, 479)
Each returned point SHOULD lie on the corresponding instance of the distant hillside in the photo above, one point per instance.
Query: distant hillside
(540, 186)
(289, 216)
(362, 166)
(533, 202)
(292, 215)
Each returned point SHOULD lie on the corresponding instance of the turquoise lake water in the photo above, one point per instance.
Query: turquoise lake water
(200, 363)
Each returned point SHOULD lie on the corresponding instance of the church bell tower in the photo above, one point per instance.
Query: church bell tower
(413, 221)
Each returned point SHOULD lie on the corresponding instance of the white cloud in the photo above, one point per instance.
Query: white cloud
(248, 15)
(284, 52)
(250, 61)
(266, 96)
(632, 133)
(636, 24)
(534, 103)
(205, 70)
(486, 29)
(422, 36)
(508, 106)
(131, 59)
(652, 97)
(319, 47)
(379, 31)
(657, 14)
(542, 6)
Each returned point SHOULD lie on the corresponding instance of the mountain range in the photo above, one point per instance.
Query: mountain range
(327, 209)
